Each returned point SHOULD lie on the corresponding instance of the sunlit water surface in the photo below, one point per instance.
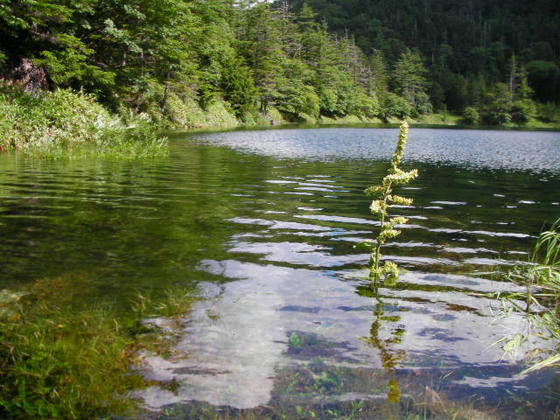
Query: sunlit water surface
(264, 223)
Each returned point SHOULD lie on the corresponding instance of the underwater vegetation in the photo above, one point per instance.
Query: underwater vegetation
(63, 359)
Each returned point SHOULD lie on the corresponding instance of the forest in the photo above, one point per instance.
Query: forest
(215, 63)
(476, 53)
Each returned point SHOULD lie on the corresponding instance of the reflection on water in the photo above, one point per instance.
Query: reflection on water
(273, 318)
(288, 320)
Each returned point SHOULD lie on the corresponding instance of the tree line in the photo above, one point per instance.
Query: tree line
(257, 58)
(477, 53)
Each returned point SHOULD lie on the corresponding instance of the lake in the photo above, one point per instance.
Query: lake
(264, 224)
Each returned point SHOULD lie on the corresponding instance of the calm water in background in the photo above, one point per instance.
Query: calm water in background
(264, 223)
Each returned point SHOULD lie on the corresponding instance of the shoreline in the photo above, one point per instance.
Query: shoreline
(173, 132)
(68, 124)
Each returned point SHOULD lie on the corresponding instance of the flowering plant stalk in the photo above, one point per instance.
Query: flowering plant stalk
(383, 200)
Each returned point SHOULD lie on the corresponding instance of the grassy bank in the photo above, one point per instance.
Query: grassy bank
(64, 123)
(454, 120)
(63, 358)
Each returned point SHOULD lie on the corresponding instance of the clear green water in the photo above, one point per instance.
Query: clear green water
(264, 224)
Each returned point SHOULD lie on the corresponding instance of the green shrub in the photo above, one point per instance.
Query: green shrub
(394, 106)
(522, 111)
(471, 116)
(328, 100)
(497, 111)
(423, 104)
(497, 116)
(363, 105)
(185, 112)
(548, 112)
(57, 124)
(301, 101)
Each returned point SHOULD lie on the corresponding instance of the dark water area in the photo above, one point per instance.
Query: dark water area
(264, 224)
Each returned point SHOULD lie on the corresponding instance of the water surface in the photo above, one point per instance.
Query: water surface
(264, 223)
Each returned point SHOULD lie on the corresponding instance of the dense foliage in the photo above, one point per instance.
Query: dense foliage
(58, 124)
(179, 57)
(260, 62)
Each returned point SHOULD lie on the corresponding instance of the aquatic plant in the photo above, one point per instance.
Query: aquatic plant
(541, 279)
(59, 359)
(295, 340)
(384, 198)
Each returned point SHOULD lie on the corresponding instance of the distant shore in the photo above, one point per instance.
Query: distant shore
(455, 124)
(69, 124)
